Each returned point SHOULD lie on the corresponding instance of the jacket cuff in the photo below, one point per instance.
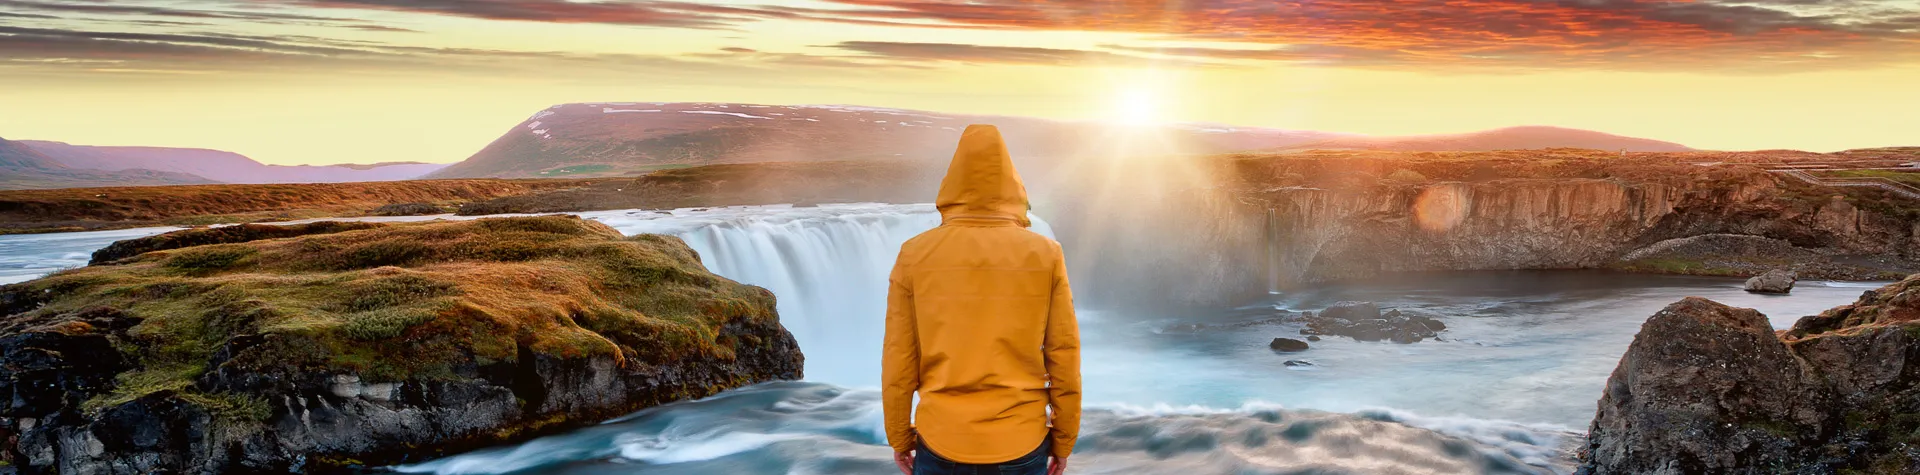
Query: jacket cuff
(1062, 447)
(904, 443)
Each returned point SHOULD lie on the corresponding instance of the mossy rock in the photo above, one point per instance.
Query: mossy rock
(243, 329)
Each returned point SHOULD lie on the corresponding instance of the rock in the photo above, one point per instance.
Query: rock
(1350, 310)
(1773, 282)
(1350, 319)
(1313, 337)
(407, 209)
(1297, 363)
(1707, 388)
(1287, 345)
(251, 392)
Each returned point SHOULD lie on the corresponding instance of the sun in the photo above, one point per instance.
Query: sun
(1136, 105)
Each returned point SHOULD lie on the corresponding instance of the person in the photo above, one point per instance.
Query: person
(980, 324)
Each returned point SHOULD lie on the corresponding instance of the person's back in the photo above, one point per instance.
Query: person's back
(980, 323)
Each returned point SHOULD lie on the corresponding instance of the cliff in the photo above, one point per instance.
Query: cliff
(1246, 224)
(325, 347)
(1707, 388)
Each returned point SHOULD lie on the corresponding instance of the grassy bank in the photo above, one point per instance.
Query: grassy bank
(85, 209)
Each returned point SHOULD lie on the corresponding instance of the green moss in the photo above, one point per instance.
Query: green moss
(231, 407)
(208, 259)
(399, 302)
(132, 385)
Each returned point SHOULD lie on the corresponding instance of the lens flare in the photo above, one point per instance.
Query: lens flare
(1440, 208)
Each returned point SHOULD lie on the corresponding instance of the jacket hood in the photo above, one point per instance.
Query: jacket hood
(981, 182)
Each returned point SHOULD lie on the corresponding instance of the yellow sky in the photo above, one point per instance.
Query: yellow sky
(445, 105)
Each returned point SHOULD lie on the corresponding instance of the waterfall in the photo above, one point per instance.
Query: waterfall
(826, 265)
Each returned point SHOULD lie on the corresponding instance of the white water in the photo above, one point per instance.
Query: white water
(826, 265)
(1507, 391)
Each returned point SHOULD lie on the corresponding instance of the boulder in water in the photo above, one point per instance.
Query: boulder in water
(1287, 345)
(1707, 388)
(1350, 310)
(1298, 363)
(1351, 320)
(1773, 282)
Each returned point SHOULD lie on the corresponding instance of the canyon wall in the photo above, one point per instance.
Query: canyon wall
(1267, 224)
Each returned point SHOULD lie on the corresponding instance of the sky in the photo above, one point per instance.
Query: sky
(363, 81)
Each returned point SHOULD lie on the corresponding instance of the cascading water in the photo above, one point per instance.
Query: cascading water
(1192, 393)
(826, 265)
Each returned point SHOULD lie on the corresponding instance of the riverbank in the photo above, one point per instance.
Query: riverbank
(97, 209)
(325, 347)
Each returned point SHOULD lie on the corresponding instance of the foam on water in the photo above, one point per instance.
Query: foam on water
(814, 428)
(1506, 389)
(827, 265)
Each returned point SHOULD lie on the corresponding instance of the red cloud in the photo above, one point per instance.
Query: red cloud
(1591, 33)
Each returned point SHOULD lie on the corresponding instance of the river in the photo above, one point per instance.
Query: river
(1508, 388)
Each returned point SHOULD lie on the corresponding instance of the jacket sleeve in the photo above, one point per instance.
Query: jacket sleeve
(1062, 350)
(900, 363)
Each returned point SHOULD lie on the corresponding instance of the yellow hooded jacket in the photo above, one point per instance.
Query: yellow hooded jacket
(980, 322)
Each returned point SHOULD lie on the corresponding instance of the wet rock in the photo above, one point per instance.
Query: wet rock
(240, 394)
(1298, 363)
(1313, 337)
(1287, 345)
(1707, 388)
(1775, 281)
(1351, 311)
(1363, 321)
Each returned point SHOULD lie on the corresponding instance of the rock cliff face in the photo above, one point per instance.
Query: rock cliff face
(1707, 388)
(353, 346)
(1270, 222)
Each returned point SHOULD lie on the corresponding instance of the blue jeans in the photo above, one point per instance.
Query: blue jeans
(925, 462)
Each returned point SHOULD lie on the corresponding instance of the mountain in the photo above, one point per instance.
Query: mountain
(1511, 138)
(227, 167)
(598, 139)
(23, 167)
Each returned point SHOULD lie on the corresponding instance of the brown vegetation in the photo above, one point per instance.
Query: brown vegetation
(80, 209)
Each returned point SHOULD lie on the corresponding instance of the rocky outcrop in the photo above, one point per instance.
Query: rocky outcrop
(1287, 345)
(1259, 223)
(1707, 388)
(1363, 321)
(366, 347)
(238, 233)
(1773, 282)
(408, 209)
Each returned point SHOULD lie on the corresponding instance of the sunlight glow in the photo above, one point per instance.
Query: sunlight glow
(1137, 106)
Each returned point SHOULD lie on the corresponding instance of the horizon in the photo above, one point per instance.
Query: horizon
(320, 82)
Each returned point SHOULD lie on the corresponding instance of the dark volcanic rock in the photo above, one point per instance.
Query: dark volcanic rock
(1707, 388)
(1363, 321)
(1352, 311)
(1287, 345)
(367, 347)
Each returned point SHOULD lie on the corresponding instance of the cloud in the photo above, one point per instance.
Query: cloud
(1505, 33)
(120, 9)
(966, 53)
(28, 15)
(644, 13)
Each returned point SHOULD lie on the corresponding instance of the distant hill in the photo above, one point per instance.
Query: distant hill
(1511, 138)
(23, 167)
(606, 139)
(221, 166)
